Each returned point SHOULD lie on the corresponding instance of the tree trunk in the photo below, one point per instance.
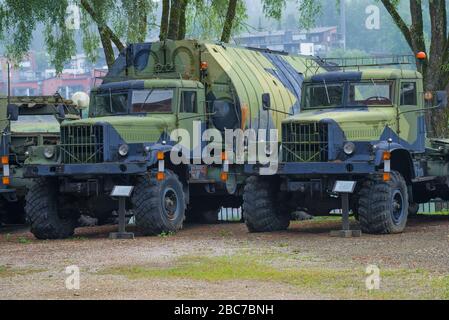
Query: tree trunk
(173, 27)
(434, 77)
(182, 20)
(164, 19)
(107, 46)
(229, 22)
(101, 24)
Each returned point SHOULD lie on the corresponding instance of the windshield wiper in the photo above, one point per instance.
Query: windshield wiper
(146, 99)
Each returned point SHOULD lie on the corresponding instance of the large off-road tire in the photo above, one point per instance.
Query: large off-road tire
(384, 206)
(262, 209)
(159, 206)
(42, 212)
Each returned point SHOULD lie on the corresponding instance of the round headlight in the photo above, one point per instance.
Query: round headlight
(349, 148)
(49, 152)
(123, 150)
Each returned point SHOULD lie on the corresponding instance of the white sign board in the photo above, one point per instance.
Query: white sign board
(345, 186)
(307, 49)
(122, 191)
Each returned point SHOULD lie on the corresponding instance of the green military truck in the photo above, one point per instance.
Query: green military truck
(152, 90)
(27, 122)
(365, 126)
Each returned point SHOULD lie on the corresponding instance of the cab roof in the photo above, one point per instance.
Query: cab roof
(368, 74)
(150, 83)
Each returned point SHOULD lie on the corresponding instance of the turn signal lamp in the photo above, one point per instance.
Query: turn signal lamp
(224, 176)
(160, 176)
(421, 55)
(204, 66)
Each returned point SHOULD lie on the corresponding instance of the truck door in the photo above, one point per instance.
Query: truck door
(191, 115)
(411, 124)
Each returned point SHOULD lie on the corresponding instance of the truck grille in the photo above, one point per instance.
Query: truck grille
(82, 144)
(305, 142)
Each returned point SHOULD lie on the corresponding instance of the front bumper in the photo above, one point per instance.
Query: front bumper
(61, 170)
(318, 168)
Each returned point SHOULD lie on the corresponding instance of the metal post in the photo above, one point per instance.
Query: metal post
(346, 231)
(122, 215)
(121, 234)
(9, 83)
(343, 23)
(345, 207)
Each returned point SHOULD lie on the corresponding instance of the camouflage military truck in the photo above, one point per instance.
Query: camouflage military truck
(153, 89)
(366, 126)
(32, 121)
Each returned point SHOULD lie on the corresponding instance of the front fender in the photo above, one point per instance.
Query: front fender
(383, 146)
(401, 159)
(155, 149)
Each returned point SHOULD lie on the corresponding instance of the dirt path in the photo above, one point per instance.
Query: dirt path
(226, 262)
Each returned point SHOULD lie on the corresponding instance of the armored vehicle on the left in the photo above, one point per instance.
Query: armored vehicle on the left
(26, 122)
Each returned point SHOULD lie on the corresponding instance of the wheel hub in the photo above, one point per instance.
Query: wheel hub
(170, 203)
(397, 206)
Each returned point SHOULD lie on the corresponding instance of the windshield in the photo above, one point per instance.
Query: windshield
(48, 120)
(147, 101)
(370, 93)
(324, 95)
(142, 101)
(360, 94)
(111, 103)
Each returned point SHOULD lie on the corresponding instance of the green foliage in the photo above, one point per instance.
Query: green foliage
(19, 19)
(308, 11)
(205, 18)
(274, 8)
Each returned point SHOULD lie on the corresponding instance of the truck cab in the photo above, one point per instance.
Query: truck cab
(366, 126)
(346, 116)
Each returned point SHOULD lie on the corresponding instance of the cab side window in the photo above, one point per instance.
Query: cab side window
(408, 94)
(188, 102)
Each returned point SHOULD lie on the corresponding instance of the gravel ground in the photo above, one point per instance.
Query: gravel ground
(301, 263)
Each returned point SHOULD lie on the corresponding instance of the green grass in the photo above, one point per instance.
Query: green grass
(8, 272)
(23, 240)
(166, 234)
(225, 233)
(336, 283)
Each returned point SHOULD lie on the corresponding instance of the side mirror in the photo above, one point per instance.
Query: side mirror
(441, 97)
(61, 112)
(266, 101)
(13, 112)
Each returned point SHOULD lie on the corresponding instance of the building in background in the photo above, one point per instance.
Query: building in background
(28, 80)
(316, 41)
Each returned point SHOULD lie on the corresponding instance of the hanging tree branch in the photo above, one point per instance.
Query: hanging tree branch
(105, 30)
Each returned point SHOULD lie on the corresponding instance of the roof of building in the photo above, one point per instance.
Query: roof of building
(257, 34)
